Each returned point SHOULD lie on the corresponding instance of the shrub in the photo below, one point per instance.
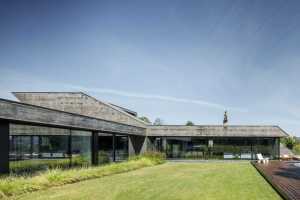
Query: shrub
(296, 149)
(154, 156)
(32, 166)
(81, 161)
(289, 142)
(103, 157)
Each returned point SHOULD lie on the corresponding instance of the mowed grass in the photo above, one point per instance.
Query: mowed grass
(170, 181)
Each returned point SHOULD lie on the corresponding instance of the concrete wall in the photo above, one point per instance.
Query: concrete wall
(24, 113)
(137, 145)
(216, 131)
(79, 103)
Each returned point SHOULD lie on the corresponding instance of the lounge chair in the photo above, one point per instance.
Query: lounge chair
(286, 157)
(261, 159)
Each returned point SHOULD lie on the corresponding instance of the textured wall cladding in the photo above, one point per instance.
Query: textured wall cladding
(78, 103)
(19, 129)
(26, 113)
(216, 131)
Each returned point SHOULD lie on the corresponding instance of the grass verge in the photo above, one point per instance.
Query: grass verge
(170, 181)
(16, 185)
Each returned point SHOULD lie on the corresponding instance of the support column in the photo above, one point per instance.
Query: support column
(137, 145)
(164, 144)
(277, 143)
(251, 143)
(31, 147)
(4, 146)
(95, 147)
(114, 147)
(70, 148)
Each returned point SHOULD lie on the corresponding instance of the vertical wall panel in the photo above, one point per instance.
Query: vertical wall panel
(4, 146)
(95, 147)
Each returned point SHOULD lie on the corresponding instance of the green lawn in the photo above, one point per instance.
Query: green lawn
(170, 181)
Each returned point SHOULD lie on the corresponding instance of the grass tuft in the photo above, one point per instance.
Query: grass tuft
(16, 185)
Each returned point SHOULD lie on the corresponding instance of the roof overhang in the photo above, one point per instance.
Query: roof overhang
(30, 114)
(216, 131)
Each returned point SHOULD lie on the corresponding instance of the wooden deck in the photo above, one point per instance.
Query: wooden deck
(283, 176)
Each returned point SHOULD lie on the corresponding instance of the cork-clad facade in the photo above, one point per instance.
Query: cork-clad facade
(77, 129)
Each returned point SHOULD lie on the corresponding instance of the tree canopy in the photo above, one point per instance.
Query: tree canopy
(189, 123)
(145, 119)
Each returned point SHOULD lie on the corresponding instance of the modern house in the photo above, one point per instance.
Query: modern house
(74, 128)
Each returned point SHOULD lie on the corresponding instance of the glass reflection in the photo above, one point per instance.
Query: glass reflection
(121, 147)
(216, 148)
(34, 148)
(105, 152)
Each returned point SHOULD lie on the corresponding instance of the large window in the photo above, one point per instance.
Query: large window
(81, 148)
(216, 148)
(54, 146)
(35, 148)
(112, 148)
(266, 146)
(186, 147)
(105, 152)
(231, 148)
(20, 147)
(121, 147)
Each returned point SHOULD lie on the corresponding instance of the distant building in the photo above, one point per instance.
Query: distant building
(72, 126)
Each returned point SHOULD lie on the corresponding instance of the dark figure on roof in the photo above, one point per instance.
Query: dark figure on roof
(225, 120)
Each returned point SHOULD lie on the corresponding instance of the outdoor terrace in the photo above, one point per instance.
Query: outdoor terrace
(283, 176)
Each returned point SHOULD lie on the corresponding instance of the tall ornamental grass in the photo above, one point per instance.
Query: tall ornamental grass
(14, 185)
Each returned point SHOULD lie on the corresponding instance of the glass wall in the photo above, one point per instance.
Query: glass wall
(105, 146)
(106, 152)
(35, 148)
(232, 148)
(186, 147)
(216, 148)
(81, 148)
(121, 147)
(268, 147)
(54, 146)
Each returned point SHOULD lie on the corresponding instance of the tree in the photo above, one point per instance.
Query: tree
(145, 119)
(158, 121)
(189, 123)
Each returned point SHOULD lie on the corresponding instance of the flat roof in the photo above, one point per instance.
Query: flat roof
(217, 130)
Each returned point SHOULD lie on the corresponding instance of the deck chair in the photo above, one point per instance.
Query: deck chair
(261, 159)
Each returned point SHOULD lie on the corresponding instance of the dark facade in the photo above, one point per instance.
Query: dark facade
(36, 147)
(36, 138)
(216, 147)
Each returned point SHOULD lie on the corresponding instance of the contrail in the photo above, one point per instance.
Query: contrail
(156, 97)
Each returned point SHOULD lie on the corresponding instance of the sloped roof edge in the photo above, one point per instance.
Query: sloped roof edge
(105, 103)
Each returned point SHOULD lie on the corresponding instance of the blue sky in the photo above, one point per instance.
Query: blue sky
(177, 60)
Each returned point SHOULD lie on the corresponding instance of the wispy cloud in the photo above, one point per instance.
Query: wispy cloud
(157, 97)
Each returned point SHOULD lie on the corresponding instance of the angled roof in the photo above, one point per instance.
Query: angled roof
(89, 106)
(216, 131)
(119, 108)
(37, 115)
(80, 105)
(133, 113)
